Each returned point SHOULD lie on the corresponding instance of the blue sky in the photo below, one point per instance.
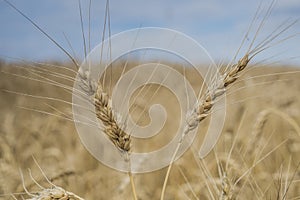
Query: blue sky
(218, 25)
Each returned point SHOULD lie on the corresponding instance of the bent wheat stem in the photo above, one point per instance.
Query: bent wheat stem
(205, 106)
(113, 131)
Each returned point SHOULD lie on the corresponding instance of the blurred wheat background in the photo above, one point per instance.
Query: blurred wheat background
(262, 130)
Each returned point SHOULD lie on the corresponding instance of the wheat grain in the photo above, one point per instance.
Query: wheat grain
(104, 113)
(113, 131)
(207, 101)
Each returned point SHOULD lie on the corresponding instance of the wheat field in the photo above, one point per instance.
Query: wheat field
(256, 157)
(263, 129)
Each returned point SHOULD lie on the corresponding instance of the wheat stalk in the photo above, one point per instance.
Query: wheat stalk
(220, 84)
(203, 109)
(113, 131)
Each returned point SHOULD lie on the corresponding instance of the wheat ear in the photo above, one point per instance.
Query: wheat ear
(55, 193)
(206, 103)
(218, 89)
(113, 131)
(52, 193)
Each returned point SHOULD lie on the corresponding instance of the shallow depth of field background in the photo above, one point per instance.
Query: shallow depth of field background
(55, 144)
